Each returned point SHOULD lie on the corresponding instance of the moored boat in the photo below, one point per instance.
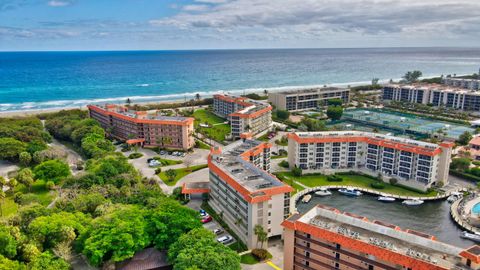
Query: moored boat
(412, 202)
(350, 192)
(386, 199)
(306, 198)
(323, 192)
(471, 236)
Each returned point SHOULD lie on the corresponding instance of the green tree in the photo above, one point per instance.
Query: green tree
(464, 138)
(25, 158)
(8, 243)
(262, 235)
(198, 250)
(460, 164)
(6, 264)
(2, 200)
(47, 261)
(375, 81)
(334, 102)
(35, 146)
(25, 177)
(117, 235)
(297, 171)
(52, 170)
(335, 112)
(11, 148)
(79, 133)
(283, 115)
(412, 76)
(171, 174)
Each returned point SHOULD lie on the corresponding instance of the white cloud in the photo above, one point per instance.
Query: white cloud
(195, 7)
(59, 3)
(211, 1)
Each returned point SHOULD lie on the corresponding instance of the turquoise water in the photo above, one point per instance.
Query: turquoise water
(476, 209)
(33, 80)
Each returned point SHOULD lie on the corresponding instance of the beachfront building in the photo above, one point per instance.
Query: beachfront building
(307, 99)
(326, 238)
(433, 94)
(244, 115)
(472, 84)
(144, 128)
(243, 191)
(413, 163)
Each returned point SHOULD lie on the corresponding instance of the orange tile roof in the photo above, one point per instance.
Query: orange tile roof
(472, 254)
(134, 141)
(475, 141)
(187, 190)
(252, 114)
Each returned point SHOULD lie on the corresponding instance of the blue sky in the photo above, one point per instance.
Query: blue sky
(224, 24)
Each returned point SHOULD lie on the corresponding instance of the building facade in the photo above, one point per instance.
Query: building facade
(243, 191)
(148, 129)
(472, 84)
(245, 115)
(413, 163)
(435, 95)
(307, 99)
(326, 238)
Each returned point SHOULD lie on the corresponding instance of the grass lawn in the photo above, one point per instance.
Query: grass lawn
(217, 130)
(250, 259)
(9, 207)
(38, 193)
(180, 174)
(201, 145)
(167, 162)
(351, 180)
(280, 156)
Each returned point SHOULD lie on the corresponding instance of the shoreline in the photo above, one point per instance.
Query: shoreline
(174, 98)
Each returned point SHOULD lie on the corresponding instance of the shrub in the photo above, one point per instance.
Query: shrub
(334, 178)
(50, 185)
(476, 163)
(297, 171)
(260, 254)
(377, 185)
(282, 152)
(393, 181)
(283, 164)
(158, 170)
(135, 155)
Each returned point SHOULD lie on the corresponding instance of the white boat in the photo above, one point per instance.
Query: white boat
(412, 202)
(306, 198)
(350, 192)
(323, 192)
(386, 199)
(471, 236)
(452, 198)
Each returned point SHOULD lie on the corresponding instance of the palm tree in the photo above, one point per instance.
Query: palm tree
(261, 234)
(197, 96)
(128, 101)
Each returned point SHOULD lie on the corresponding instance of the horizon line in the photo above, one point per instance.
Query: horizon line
(243, 49)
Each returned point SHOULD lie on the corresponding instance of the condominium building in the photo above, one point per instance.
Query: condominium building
(434, 94)
(245, 115)
(307, 99)
(147, 129)
(472, 84)
(243, 191)
(413, 163)
(326, 238)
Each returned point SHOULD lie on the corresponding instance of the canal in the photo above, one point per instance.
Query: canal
(431, 217)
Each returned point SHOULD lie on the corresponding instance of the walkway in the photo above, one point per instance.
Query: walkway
(460, 212)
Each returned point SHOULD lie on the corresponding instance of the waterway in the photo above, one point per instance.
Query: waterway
(431, 217)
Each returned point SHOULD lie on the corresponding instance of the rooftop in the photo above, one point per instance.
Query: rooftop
(251, 106)
(419, 246)
(310, 90)
(139, 114)
(435, 86)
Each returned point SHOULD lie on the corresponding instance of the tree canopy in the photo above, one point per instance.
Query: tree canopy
(465, 138)
(52, 170)
(334, 112)
(412, 76)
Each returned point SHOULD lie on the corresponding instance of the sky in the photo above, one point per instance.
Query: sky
(236, 24)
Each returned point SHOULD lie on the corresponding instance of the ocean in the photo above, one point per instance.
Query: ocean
(41, 80)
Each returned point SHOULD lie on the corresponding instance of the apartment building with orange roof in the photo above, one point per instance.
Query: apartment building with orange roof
(244, 192)
(307, 99)
(412, 163)
(327, 238)
(149, 129)
(244, 115)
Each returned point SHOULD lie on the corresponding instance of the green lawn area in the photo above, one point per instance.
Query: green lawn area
(217, 130)
(167, 162)
(250, 259)
(9, 207)
(180, 174)
(201, 145)
(38, 193)
(280, 156)
(360, 181)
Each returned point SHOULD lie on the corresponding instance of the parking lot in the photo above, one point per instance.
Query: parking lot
(212, 225)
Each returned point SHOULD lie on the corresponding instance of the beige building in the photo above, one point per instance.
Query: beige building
(326, 238)
(307, 99)
(243, 191)
(147, 129)
(245, 115)
(413, 163)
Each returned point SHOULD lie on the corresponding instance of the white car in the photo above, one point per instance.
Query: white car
(218, 231)
(225, 239)
(154, 163)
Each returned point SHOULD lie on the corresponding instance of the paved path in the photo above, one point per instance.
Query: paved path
(72, 156)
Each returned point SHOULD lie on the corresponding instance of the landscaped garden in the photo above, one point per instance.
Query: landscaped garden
(216, 129)
(167, 162)
(356, 180)
(170, 177)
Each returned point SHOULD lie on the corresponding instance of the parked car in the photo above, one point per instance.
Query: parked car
(218, 231)
(149, 160)
(206, 219)
(154, 163)
(183, 154)
(162, 152)
(225, 239)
